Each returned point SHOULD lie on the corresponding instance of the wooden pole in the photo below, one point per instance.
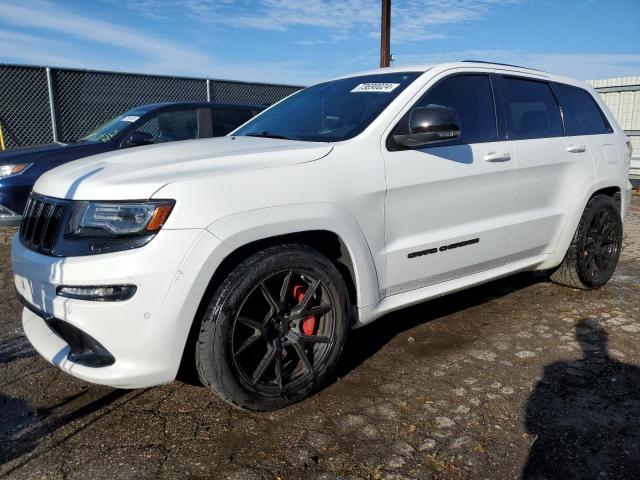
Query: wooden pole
(385, 34)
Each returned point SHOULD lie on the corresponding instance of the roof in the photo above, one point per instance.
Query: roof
(461, 64)
(472, 64)
(153, 106)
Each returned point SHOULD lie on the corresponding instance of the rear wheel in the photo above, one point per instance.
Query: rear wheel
(594, 251)
(274, 329)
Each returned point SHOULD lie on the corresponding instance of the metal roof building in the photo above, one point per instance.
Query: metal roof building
(622, 96)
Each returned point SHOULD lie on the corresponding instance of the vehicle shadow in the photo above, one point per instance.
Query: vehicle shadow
(364, 342)
(23, 426)
(15, 349)
(584, 415)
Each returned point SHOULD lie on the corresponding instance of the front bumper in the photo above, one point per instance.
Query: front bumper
(80, 348)
(9, 218)
(145, 334)
(13, 196)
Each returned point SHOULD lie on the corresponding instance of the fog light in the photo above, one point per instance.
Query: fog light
(114, 293)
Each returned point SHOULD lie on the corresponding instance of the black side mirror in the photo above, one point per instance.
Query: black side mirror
(428, 125)
(137, 139)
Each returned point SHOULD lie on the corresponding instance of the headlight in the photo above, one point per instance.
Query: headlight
(13, 169)
(115, 219)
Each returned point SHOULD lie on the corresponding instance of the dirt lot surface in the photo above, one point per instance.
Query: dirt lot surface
(519, 378)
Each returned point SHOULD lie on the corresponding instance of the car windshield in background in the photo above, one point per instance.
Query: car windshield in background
(113, 127)
(331, 111)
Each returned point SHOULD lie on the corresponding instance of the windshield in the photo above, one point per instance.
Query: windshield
(331, 111)
(113, 127)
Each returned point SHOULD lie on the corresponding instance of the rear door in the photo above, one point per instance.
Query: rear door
(449, 206)
(588, 127)
(551, 167)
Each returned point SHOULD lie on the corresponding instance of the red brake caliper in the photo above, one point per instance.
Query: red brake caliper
(308, 326)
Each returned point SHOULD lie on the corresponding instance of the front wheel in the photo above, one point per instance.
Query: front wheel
(274, 329)
(594, 251)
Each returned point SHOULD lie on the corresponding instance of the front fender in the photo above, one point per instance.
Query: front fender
(243, 228)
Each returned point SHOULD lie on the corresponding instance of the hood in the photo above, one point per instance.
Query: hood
(139, 173)
(50, 154)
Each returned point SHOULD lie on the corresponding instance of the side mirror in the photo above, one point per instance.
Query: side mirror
(430, 124)
(137, 139)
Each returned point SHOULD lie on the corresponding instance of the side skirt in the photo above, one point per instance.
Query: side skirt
(401, 300)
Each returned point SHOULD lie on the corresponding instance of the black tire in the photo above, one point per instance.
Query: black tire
(231, 340)
(594, 251)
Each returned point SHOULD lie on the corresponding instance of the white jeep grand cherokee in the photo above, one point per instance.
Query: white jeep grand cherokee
(252, 255)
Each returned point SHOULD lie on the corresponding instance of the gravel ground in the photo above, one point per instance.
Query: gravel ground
(518, 378)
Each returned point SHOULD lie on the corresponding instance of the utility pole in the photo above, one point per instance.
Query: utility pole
(385, 34)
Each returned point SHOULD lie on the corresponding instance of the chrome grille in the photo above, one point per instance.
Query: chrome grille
(41, 224)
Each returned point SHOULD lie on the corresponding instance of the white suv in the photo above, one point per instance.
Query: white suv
(251, 256)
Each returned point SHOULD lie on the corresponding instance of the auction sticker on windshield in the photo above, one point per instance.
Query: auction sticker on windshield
(130, 118)
(376, 87)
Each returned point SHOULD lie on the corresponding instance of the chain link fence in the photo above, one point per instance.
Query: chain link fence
(249, 93)
(39, 105)
(25, 116)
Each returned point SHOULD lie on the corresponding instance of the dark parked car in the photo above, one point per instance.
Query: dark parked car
(155, 123)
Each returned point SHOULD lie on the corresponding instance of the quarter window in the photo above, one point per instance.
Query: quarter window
(582, 116)
(226, 120)
(471, 96)
(531, 109)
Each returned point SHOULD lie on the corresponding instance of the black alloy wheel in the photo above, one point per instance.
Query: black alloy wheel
(599, 247)
(274, 328)
(283, 331)
(595, 248)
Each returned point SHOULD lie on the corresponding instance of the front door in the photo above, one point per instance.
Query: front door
(449, 207)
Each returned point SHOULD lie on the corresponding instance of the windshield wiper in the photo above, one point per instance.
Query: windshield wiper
(266, 135)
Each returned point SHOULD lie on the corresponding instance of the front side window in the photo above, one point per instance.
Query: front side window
(582, 116)
(331, 111)
(172, 126)
(531, 109)
(471, 96)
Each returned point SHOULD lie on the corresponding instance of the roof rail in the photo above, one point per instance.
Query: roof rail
(503, 64)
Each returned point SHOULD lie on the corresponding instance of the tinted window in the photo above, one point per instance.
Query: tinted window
(472, 98)
(330, 111)
(531, 109)
(172, 126)
(582, 116)
(227, 119)
(115, 126)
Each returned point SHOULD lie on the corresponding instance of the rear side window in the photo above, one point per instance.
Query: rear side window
(226, 120)
(172, 126)
(582, 116)
(471, 96)
(531, 109)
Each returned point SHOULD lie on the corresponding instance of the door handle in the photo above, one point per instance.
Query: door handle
(497, 157)
(576, 148)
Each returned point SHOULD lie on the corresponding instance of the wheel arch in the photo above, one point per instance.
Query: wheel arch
(325, 227)
(614, 191)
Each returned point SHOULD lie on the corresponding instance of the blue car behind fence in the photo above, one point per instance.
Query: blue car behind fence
(149, 124)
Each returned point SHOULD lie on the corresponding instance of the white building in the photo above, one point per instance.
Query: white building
(622, 96)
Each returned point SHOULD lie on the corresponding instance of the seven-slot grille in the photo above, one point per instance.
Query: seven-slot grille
(41, 223)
